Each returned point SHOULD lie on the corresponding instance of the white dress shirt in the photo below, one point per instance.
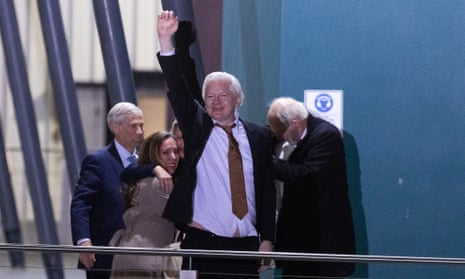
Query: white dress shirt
(212, 196)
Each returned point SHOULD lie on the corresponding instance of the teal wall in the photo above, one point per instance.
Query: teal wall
(251, 51)
(401, 64)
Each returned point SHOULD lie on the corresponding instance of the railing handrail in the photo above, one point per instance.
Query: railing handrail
(233, 254)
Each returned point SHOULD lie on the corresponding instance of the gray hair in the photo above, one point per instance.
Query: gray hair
(287, 109)
(120, 111)
(234, 84)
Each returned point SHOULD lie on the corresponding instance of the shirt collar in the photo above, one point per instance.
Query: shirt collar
(236, 120)
(123, 153)
(303, 134)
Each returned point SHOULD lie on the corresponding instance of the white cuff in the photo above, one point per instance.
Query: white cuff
(168, 53)
(80, 241)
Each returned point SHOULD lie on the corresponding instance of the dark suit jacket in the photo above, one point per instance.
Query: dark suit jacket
(98, 205)
(196, 126)
(316, 216)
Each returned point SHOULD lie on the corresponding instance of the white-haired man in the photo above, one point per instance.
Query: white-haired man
(315, 214)
(98, 205)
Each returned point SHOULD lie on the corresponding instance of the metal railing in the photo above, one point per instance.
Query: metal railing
(367, 266)
(44, 248)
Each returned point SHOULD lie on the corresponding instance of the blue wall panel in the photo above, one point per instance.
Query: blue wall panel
(251, 51)
(401, 64)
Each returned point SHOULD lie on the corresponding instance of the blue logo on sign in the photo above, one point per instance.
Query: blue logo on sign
(324, 102)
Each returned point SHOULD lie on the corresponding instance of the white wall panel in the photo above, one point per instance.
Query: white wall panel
(139, 19)
(86, 56)
(147, 41)
(128, 16)
(35, 51)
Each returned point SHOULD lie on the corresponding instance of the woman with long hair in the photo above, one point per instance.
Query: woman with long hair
(146, 200)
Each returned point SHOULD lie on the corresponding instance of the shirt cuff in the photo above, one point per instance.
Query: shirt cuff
(80, 241)
(168, 53)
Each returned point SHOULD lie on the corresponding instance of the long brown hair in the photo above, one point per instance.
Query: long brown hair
(149, 153)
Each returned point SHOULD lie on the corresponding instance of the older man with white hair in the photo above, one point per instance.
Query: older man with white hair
(97, 205)
(315, 214)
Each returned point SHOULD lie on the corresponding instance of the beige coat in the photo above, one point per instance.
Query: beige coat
(144, 228)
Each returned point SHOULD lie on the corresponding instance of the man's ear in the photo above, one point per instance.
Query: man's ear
(238, 103)
(114, 128)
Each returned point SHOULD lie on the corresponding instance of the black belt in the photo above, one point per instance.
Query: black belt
(196, 231)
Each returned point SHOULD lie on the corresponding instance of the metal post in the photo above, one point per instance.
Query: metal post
(64, 89)
(120, 79)
(10, 222)
(37, 180)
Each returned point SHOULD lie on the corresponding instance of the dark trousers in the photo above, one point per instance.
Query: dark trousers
(101, 269)
(311, 270)
(220, 267)
(97, 274)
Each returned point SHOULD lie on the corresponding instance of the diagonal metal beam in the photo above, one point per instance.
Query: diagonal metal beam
(120, 80)
(37, 180)
(10, 220)
(64, 90)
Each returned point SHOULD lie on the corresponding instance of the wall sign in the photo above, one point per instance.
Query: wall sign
(326, 104)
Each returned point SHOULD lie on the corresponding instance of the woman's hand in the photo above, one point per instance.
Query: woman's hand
(166, 180)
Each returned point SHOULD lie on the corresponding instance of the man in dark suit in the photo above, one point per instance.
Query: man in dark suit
(200, 203)
(315, 215)
(98, 205)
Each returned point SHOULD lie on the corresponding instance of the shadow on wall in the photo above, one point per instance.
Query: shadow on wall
(355, 195)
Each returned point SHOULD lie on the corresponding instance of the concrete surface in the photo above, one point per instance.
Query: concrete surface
(34, 267)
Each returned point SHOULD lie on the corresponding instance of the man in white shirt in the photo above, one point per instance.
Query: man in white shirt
(201, 202)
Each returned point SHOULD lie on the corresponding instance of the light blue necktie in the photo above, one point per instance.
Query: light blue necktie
(132, 159)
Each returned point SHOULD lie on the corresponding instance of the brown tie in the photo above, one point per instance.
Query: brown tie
(236, 175)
